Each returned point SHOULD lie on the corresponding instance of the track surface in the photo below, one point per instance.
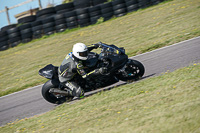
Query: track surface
(29, 102)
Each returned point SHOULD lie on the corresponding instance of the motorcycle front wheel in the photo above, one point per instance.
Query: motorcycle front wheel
(53, 98)
(134, 70)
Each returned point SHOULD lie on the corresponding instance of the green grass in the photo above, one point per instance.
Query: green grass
(168, 103)
(138, 32)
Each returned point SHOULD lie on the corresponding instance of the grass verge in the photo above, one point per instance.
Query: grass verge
(167, 103)
(138, 32)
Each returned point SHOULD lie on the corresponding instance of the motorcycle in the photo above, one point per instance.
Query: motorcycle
(119, 67)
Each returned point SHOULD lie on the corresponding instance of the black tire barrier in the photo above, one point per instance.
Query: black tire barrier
(116, 2)
(131, 2)
(36, 23)
(48, 20)
(82, 3)
(70, 14)
(65, 10)
(60, 21)
(81, 11)
(60, 27)
(15, 34)
(84, 22)
(50, 10)
(27, 35)
(27, 19)
(49, 30)
(37, 34)
(3, 36)
(143, 3)
(94, 8)
(106, 5)
(83, 16)
(97, 2)
(36, 28)
(12, 30)
(120, 11)
(47, 25)
(66, 16)
(59, 16)
(14, 41)
(4, 45)
(45, 16)
(119, 6)
(131, 8)
(72, 24)
(93, 20)
(96, 13)
(5, 28)
(25, 26)
(25, 31)
(64, 6)
(107, 10)
(73, 18)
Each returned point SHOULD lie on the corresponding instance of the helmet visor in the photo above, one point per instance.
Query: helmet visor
(83, 54)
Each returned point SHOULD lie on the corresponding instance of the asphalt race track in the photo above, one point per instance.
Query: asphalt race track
(29, 102)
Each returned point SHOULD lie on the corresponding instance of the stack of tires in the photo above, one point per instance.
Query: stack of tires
(14, 36)
(60, 23)
(83, 17)
(45, 13)
(71, 19)
(143, 3)
(26, 33)
(155, 2)
(82, 3)
(107, 11)
(97, 2)
(3, 40)
(67, 7)
(48, 26)
(94, 13)
(5, 28)
(37, 29)
(132, 5)
(26, 19)
(119, 8)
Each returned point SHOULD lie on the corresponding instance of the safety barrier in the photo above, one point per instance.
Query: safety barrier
(67, 16)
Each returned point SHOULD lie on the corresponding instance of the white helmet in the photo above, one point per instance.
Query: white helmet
(80, 51)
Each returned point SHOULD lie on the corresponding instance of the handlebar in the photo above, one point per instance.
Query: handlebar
(103, 45)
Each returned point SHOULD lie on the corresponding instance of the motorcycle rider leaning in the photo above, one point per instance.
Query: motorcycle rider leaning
(73, 64)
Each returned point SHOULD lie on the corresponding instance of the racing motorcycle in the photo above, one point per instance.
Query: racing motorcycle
(119, 67)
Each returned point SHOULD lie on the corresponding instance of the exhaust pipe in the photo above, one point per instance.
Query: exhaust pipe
(62, 92)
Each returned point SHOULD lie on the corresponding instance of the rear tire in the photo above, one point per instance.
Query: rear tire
(50, 97)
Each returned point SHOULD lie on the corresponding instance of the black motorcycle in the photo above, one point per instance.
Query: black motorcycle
(113, 58)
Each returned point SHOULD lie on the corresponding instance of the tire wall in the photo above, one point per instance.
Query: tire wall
(66, 16)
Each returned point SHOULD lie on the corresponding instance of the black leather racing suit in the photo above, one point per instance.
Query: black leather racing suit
(70, 67)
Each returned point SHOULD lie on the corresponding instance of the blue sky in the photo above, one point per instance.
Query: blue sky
(14, 11)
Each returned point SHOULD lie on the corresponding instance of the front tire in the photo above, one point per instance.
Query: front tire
(134, 70)
(51, 97)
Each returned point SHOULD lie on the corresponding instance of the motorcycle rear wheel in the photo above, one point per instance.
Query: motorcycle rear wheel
(134, 69)
(51, 97)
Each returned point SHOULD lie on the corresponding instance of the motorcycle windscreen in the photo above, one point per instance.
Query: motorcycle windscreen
(47, 71)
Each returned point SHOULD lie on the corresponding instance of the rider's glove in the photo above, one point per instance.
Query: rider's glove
(103, 70)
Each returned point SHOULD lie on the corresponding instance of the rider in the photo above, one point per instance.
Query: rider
(73, 64)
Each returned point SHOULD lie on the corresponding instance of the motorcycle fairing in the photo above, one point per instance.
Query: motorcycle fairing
(48, 71)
